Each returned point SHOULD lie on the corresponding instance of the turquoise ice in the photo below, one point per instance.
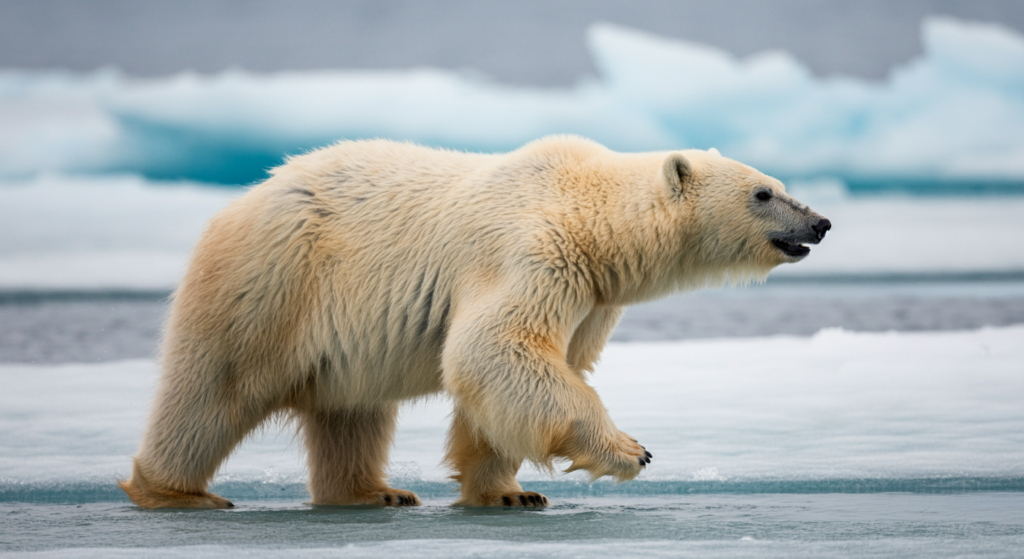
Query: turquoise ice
(952, 120)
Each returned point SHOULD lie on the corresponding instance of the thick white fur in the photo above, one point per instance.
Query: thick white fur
(372, 272)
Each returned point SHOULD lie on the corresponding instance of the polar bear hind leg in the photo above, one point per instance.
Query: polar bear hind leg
(195, 426)
(347, 452)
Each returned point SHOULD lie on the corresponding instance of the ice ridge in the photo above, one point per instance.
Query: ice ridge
(952, 119)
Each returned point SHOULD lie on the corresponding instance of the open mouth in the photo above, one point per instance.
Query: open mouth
(790, 249)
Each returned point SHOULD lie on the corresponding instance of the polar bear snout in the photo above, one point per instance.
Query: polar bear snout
(812, 232)
(821, 228)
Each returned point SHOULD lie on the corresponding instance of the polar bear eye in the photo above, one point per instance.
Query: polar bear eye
(763, 195)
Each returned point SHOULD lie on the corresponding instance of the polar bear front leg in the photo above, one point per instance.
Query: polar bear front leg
(486, 477)
(515, 389)
(348, 451)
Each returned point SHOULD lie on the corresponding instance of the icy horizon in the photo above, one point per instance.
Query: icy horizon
(124, 232)
(951, 120)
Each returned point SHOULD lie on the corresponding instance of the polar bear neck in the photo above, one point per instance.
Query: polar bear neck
(614, 227)
(600, 223)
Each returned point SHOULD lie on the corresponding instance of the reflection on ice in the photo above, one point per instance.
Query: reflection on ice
(698, 526)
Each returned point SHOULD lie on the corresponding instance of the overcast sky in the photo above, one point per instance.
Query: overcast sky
(530, 42)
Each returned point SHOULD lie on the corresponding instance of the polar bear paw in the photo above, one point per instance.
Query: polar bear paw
(386, 497)
(149, 497)
(621, 457)
(524, 499)
(396, 498)
(510, 498)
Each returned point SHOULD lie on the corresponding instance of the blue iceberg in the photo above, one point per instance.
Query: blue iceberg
(951, 121)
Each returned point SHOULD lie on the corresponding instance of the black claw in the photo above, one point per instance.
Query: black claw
(231, 505)
(648, 460)
(641, 461)
(648, 454)
(387, 499)
(522, 500)
(506, 501)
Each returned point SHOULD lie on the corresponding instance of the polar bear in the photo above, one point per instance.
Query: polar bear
(373, 272)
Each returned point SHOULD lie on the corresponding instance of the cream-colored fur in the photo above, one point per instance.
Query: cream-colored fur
(373, 272)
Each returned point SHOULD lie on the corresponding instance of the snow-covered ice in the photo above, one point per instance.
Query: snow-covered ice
(835, 406)
(117, 232)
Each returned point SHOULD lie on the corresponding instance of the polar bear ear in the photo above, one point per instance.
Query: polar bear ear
(714, 151)
(677, 171)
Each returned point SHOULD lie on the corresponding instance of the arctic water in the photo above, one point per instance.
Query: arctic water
(865, 402)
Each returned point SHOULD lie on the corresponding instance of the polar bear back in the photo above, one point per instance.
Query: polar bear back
(353, 259)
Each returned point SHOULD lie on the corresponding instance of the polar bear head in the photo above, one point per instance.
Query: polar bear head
(741, 223)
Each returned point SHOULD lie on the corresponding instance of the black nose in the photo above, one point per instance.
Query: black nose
(821, 228)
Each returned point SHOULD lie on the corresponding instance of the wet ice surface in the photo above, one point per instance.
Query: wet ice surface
(692, 526)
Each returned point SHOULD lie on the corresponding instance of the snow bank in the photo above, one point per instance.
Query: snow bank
(128, 233)
(101, 233)
(956, 114)
(838, 405)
